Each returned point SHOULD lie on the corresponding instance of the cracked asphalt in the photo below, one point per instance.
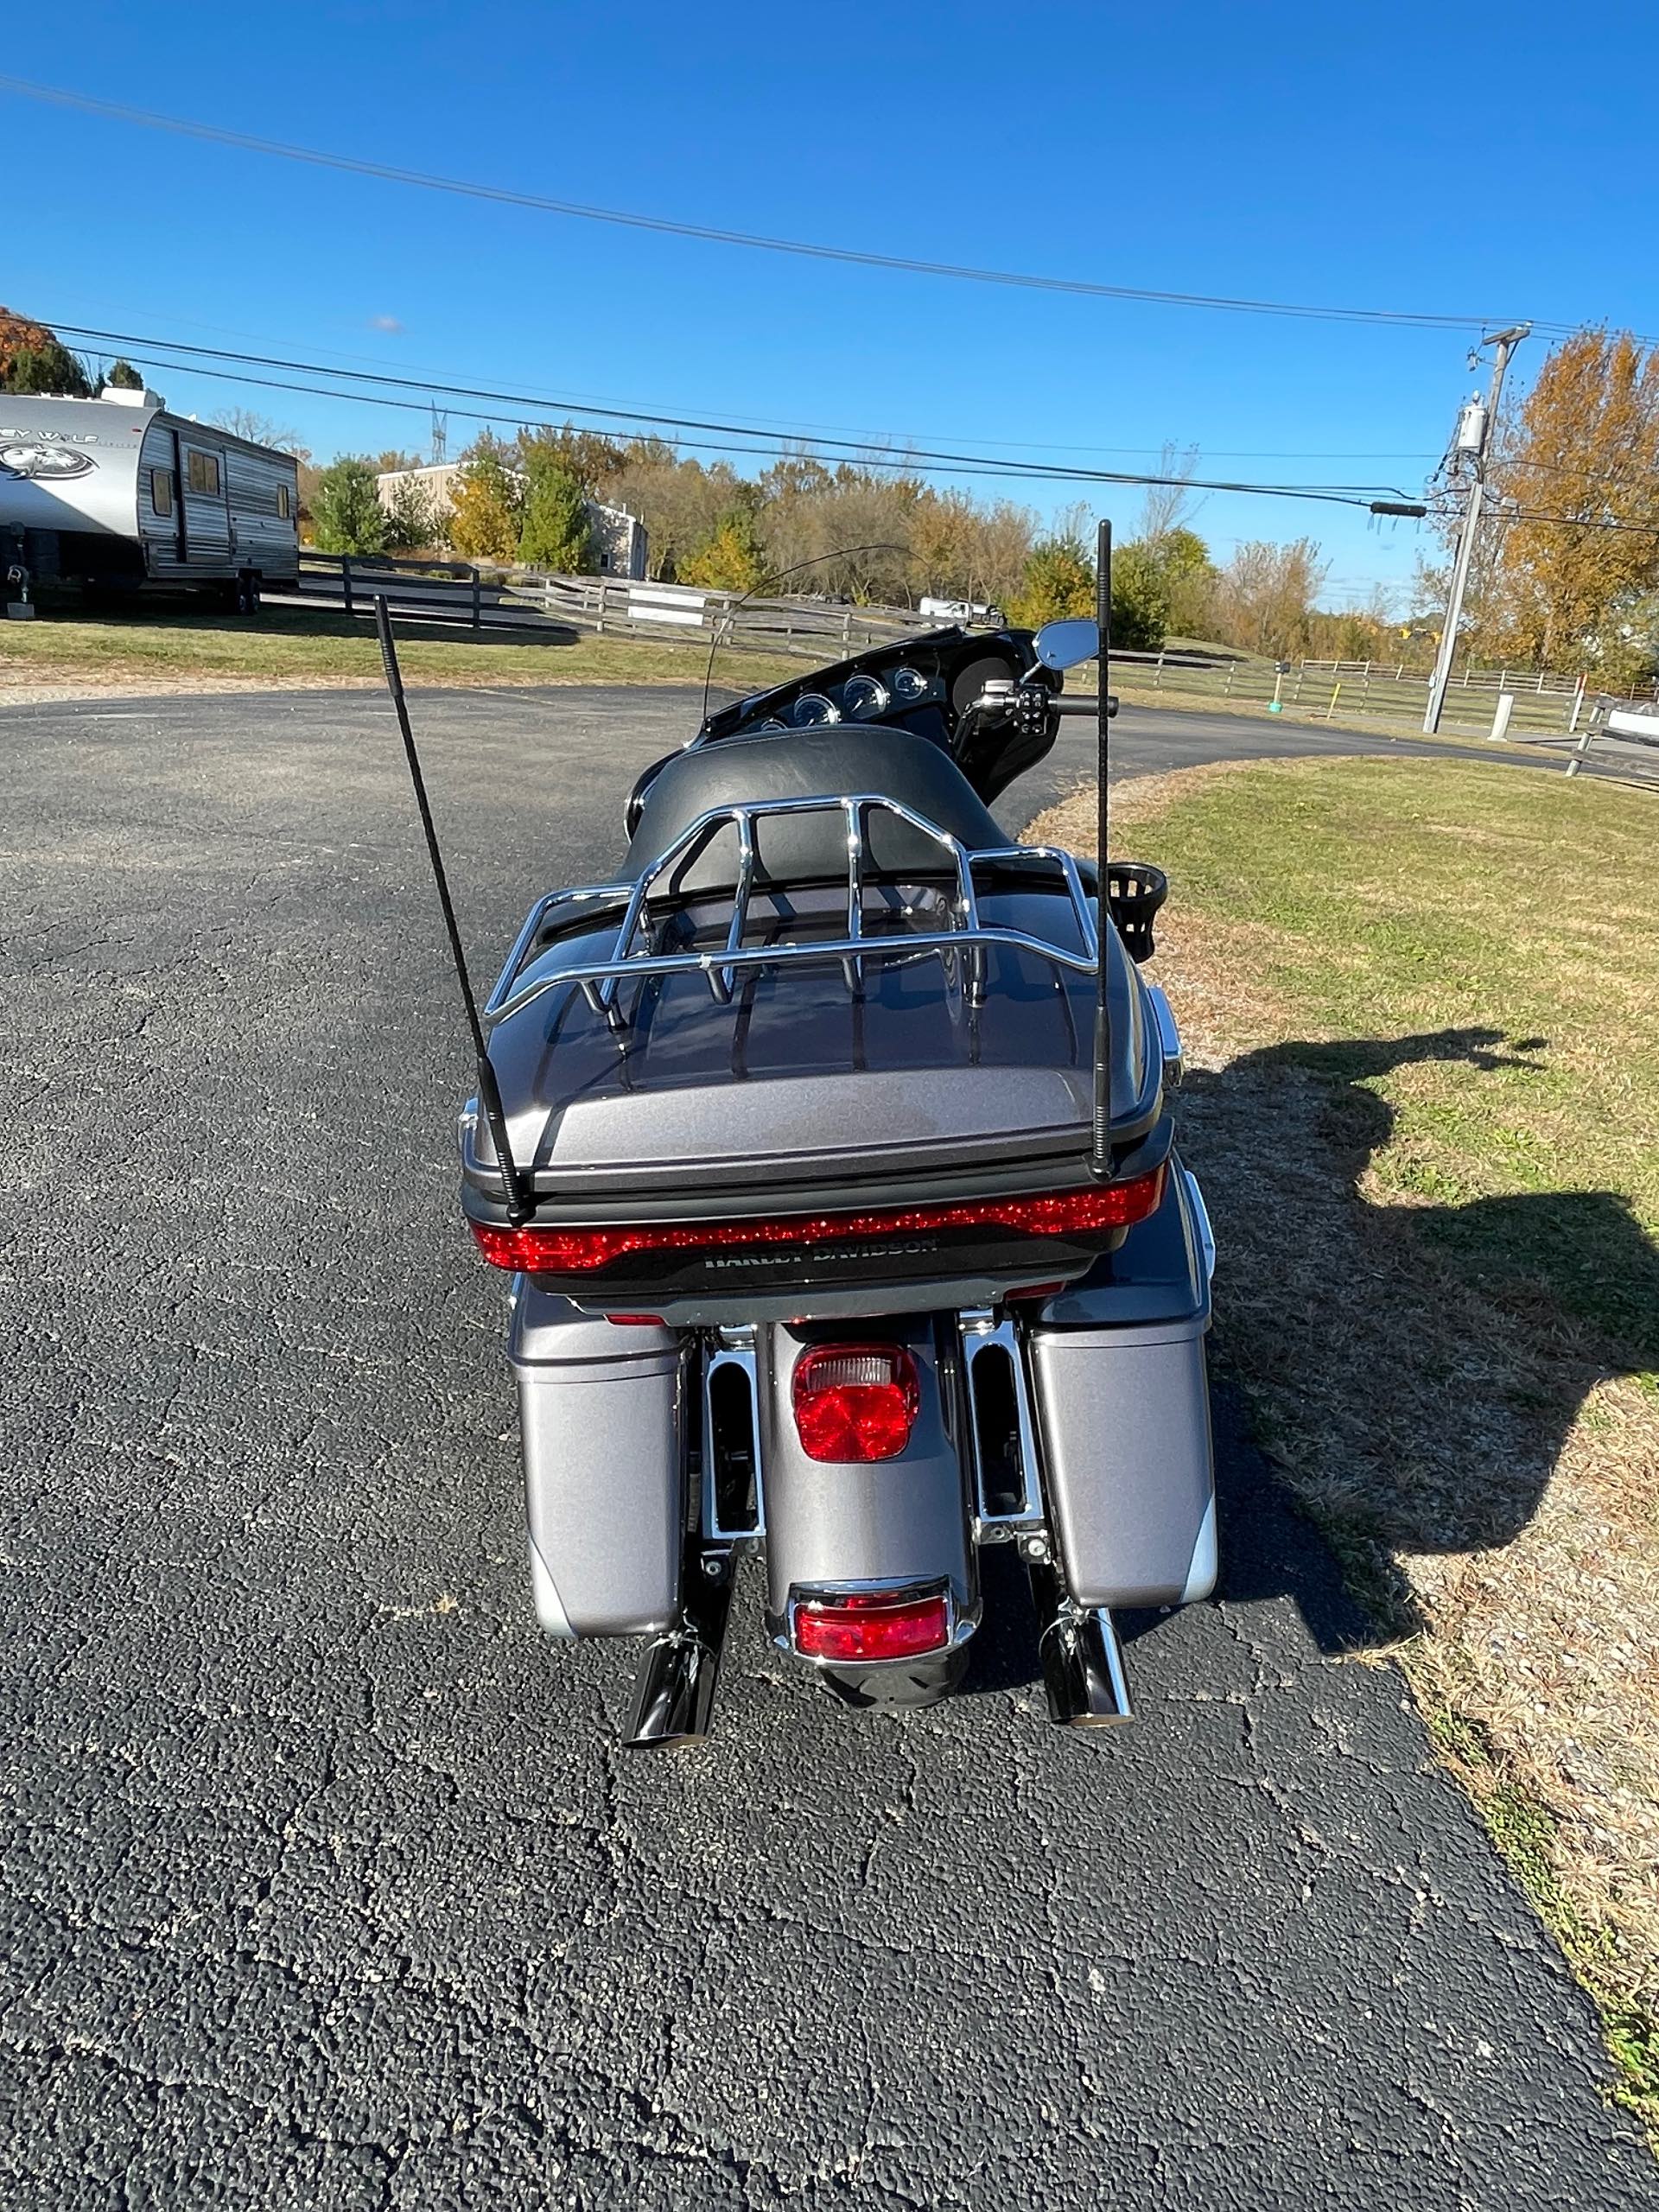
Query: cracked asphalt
(325, 1885)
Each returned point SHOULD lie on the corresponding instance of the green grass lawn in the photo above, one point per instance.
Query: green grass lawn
(286, 646)
(1423, 1001)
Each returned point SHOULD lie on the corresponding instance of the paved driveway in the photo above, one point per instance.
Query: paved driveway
(324, 1884)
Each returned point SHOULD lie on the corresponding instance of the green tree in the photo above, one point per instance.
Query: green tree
(49, 369)
(121, 376)
(1140, 599)
(1189, 576)
(488, 502)
(731, 561)
(556, 533)
(412, 517)
(591, 457)
(1059, 582)
(346, 508)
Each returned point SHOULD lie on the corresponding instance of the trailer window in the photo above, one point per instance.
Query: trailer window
(204, 472)
(284, 507)
(161, 490)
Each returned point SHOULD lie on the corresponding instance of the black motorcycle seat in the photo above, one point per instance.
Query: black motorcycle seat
(830, 762)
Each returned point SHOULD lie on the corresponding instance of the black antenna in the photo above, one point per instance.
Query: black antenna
(1101, 1157)
(489, 1095)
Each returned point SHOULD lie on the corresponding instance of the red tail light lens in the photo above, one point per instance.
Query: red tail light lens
(582, 1251)
(873, 1624)
(854, 1401)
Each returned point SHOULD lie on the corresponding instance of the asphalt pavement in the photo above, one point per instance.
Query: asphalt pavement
(325, 1885)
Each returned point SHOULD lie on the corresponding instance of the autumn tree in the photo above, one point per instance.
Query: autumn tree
(1264, 599)
(960, 550)
(1582, 449)
(557, 532)
(488, 501)
(679, 501)
(731, 561)
(843, 532)
(1059, 581)
(347, 510)
(33, 359)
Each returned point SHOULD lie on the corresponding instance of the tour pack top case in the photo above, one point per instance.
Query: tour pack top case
(809, 1042)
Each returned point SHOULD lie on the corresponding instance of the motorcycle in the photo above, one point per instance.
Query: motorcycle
(829, 1149)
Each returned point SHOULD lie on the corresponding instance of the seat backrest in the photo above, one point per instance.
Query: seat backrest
(812, 763)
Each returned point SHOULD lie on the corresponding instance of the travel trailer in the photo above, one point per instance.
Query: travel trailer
(115, 493)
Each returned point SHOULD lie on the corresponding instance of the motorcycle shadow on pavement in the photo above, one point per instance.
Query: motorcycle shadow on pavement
(1420, 1367)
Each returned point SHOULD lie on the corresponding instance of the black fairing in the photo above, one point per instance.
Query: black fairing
(953, 666)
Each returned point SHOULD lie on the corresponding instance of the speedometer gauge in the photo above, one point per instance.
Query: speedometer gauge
(909, 683)
(812, 710)
(861, 696)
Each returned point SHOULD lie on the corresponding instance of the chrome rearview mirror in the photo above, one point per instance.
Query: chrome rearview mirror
(1063, 645)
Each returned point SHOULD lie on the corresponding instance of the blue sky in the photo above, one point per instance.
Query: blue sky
(1434, 159)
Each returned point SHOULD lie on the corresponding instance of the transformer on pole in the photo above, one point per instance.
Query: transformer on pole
(1470, 444)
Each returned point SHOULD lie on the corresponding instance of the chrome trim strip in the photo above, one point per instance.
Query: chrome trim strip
(1201, 1218)
(1115, 1667)
(1203, 1567)
(1169, 1037)
(732, 1348)
(959, 1624)
(980, 1331)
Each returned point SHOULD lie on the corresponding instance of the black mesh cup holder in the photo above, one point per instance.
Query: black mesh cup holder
(1135, 892)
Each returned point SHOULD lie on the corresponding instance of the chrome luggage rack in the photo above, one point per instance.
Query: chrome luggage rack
(599, 981)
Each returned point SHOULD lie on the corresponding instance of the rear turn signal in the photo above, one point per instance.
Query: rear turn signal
(854, 1401)
(872, 1625)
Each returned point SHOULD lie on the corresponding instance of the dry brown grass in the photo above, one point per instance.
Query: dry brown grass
(1445, 1335)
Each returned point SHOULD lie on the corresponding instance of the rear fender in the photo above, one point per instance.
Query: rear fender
(884, 1524)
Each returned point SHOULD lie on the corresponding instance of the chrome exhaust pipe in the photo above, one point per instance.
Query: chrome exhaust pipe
(1083, 1661)
(674, 1688)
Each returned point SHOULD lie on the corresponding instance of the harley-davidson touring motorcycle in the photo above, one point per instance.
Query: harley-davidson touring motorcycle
(828, 1148)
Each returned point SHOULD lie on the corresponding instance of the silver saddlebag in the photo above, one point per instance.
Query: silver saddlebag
(1123, 1404)
(601, 1411)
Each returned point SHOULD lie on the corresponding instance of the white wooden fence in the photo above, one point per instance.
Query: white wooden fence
(500, 599)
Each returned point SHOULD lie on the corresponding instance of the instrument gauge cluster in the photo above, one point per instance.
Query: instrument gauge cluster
(865, 695)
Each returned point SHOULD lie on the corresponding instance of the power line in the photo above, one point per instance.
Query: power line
(216, 134)
(926, 459)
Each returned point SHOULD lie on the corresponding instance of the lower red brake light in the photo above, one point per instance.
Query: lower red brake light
(872, 1625)
(854, 1401)
(583, 1251)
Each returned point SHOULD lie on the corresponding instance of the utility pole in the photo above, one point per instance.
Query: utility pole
(1471, 443)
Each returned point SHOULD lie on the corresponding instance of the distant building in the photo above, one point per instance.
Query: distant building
(620, 543)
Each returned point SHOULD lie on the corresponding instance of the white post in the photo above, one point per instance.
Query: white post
(1501, 717)
(1578, 703)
